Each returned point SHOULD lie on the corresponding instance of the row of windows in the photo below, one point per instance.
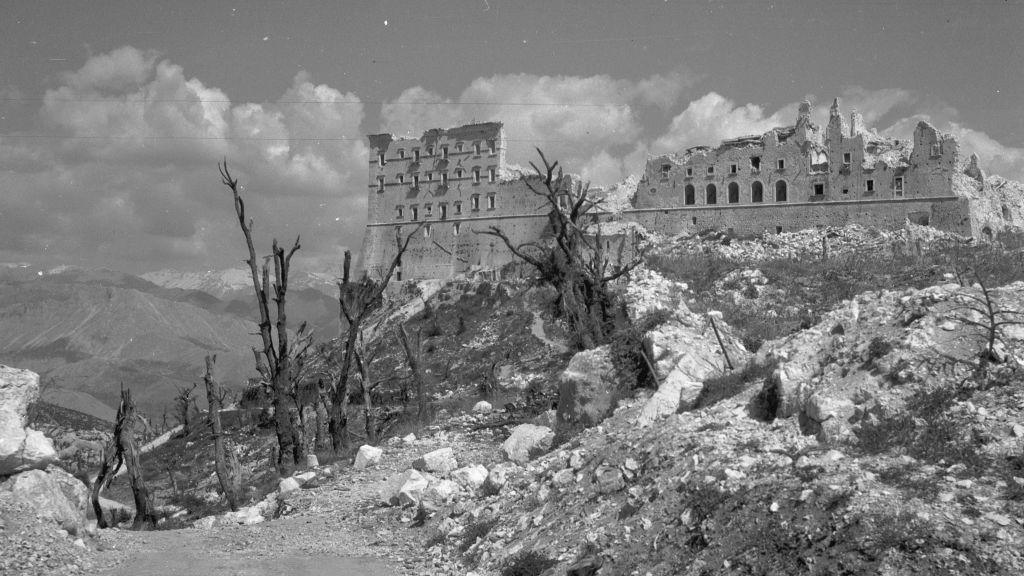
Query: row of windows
(492, 176)
(428, 209)
(492, 149)
(757, 191)
(755, 165)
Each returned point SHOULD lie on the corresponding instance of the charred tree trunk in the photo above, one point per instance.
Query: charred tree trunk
(323, 418)
(412, 357)
(145, 514)
(111, 464)
(224, 473)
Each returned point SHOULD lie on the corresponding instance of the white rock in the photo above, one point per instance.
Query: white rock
(367, 456)
(205, 523)
(441, 461)
(409, 438)
(471, 477)
(666, 400)
(43, 492)
(482, 407)
(441, 492)
(21, 448)
(287, 485)
(564, 477)
(1018, 430)
(405, 488)
(526, 442)
(312, 461)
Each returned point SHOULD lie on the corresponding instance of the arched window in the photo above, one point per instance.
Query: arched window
(734, 193)
(757, 191)
(689, 196)
(711, 194)
(780, 191)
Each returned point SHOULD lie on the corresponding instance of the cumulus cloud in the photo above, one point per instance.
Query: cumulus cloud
(127, 176)
(585, 122)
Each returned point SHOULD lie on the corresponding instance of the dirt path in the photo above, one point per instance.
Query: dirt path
(293, 546)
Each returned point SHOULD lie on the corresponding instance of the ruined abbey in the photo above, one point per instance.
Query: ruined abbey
(456, 181)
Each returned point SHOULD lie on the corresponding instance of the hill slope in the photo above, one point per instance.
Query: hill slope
(93, 330)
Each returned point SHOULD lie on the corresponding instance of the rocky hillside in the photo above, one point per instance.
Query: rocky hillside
(93, 330)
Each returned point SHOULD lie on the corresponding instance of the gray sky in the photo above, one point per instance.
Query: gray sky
(113, 113)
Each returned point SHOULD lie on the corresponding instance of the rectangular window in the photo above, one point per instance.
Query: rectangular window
(870, 185)
(428, 210)
(782, 164)
(490, 202)
(458, 146)
(401, 153)
(399, 212)
(476, 175)
(491, 175)
(458, 208)
(414, 212)
(444, 152)
(898, 186)
(430, 176)
(474, 203)
(444, 178)
(689, 171)
(846, 190)
(415, 180)
(455, 229)
(430, 151)
(400, 178)
(443, 209)
(380, 159)
(665, 169)
(426, 231)
(732, 169)
(778, 229)
(491, 147)
(380, 183)
(755, 162)
(476, 148)
(847, 158)
(819, 189)
(416, 155)
(458, 173)
(711, 169)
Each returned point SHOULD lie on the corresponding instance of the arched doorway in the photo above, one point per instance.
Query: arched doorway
(757, 192)
(734, 193)
(780, 191)
(689, 195)
(711, 194)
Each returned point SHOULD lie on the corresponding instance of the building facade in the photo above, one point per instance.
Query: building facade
(456, 182)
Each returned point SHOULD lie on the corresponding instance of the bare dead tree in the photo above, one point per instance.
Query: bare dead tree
(184, 407)
(123, 449)
(365, 358)
(983, 311)
(275, 363)
(357, 300)
(574, 262)
(228, 471)
(412, 357)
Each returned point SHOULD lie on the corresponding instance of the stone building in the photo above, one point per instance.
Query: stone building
(802, 176)
(455, 181)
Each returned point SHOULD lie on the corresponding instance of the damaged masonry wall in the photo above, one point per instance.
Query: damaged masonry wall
(456, 181)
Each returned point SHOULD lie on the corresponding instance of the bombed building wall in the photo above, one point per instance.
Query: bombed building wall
(456, 183)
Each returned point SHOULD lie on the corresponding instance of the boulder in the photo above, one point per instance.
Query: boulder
(667, 399)
(482, 407)
(470, 477)
(405, 489)
(21, 448)
(367, 456)
(441, 461)
(610, 480)
(585, 391)
(287, 485)
(440, 493)
(45, 493)
(527, 442)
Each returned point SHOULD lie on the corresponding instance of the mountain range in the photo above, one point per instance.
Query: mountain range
(92, 330)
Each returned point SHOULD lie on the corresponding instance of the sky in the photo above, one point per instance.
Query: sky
(114, 114)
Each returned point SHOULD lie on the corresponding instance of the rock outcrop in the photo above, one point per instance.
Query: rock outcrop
(527, 442)
(21, 448)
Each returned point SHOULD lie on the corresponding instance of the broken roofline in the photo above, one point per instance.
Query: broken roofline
(471, 131)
